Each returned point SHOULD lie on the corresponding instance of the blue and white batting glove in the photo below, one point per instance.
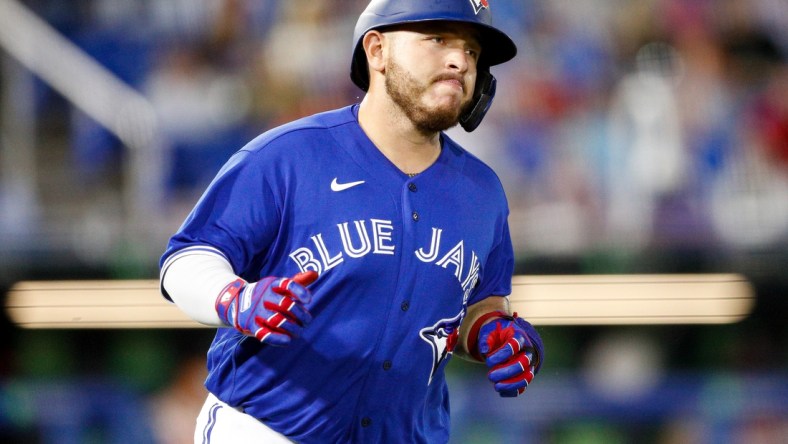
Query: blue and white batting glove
(511, 348)
(271, 309)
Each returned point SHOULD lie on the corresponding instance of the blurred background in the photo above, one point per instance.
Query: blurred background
(632, 136)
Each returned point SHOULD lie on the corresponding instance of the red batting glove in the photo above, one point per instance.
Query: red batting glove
(271, 309)
(511, 348)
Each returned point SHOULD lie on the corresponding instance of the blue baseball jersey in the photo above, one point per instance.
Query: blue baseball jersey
(400, 259)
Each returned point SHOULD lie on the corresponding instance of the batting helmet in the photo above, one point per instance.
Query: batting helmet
(497, 47)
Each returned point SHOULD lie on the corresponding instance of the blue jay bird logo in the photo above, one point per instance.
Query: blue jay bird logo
(478, 5)
(442, 337)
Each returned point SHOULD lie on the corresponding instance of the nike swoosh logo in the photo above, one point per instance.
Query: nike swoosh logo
(336, 186)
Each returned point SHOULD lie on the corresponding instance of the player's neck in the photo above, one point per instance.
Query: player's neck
(397, 138)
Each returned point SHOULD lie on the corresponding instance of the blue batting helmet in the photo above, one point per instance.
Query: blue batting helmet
(497, 47)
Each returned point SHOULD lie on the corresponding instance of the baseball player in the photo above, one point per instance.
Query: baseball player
(347, 256)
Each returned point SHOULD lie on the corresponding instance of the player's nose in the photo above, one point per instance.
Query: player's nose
(458, 60)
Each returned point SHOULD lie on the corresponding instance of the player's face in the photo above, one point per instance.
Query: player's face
(431, 73)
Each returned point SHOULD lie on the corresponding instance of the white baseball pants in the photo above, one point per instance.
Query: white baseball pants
(218, 423)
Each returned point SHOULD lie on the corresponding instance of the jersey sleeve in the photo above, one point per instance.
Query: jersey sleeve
(238, 214)
(497, 277)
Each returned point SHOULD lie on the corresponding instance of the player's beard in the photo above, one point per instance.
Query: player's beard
(406, 91)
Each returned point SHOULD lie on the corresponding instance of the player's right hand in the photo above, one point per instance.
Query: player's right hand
(271, 309)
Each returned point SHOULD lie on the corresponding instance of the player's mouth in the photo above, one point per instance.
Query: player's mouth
(451, 81)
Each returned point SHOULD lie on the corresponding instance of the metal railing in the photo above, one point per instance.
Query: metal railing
(90, 87)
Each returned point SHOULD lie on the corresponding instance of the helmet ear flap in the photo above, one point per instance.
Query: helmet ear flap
(483, 95)
(359, 72)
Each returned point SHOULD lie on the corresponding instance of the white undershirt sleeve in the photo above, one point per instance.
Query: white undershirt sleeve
(193, 278)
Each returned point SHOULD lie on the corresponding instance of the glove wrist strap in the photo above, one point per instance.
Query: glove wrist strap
(473, 335)
(225, 308)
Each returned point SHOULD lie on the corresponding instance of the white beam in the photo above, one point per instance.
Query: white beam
(543, 300)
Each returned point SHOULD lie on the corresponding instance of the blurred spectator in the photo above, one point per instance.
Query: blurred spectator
(200, 87)
(202, 113)
(174, 407)
(304, 64)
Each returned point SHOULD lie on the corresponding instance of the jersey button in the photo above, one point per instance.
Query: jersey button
(405, 306)
(366, 422)
(387, 365)
(412, 187)
(415, 216)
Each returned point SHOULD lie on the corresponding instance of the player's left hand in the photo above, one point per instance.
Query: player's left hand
(513, 351)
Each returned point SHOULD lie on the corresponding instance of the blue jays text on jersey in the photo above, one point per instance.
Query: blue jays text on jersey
(306, 259)
(399, 258)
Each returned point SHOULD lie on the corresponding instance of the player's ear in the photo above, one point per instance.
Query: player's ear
(373, 44)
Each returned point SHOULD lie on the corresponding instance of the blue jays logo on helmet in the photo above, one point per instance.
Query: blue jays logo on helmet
(442, 337)
(478, 5)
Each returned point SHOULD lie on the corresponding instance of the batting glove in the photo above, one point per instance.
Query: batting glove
(512, 350)
(272, 309)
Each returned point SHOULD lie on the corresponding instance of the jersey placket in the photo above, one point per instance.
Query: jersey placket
(375, 407)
